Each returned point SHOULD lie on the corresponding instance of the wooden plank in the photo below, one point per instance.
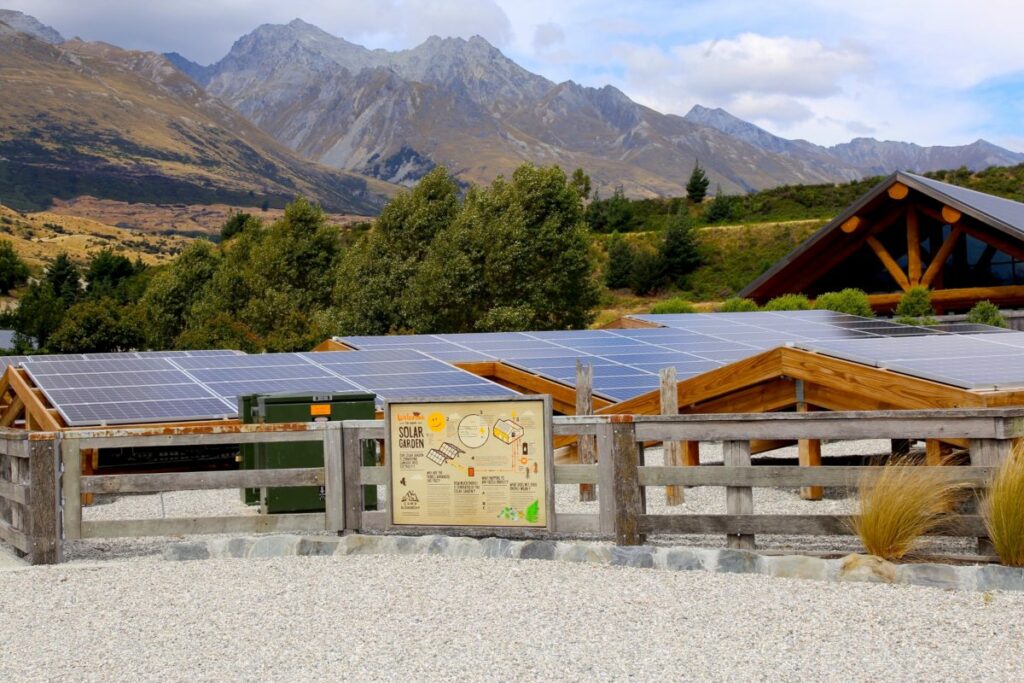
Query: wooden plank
(935, 452)
(12, 412)
(672, 451)
(43, 521)
(374, 476)
(889, 262)
(19, 478)
(254, 524)
(14, 537)
(797, 525)
(587, 445)
(788, 476)
(196, 481)
(959, 298)
(913, 247)
(375, 520)
(625, 457)
(228, 438)
(15, 493)
(334, 476)
(576, 474)
(990, 452)
(606, 501)
(34, 405)
(935, 267)
(577, 523)
(739, 500)
(71, 487)
(759, 398)
(352, 455)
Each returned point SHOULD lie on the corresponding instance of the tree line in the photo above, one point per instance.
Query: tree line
(516, 254)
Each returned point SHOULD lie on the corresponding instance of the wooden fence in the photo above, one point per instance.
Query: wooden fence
(40, 495)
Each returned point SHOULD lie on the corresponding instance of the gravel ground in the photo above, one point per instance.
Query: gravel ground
(418, 618)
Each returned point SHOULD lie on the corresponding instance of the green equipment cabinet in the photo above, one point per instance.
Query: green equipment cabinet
(276, 408)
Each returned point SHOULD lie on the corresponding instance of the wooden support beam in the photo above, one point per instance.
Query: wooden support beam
(691, 453)
(739, 500)
(587, 444)
(851, 224)
(898, 191)
(672, 450)
(935, 452)
(913, 247)
(41, 419)
(889, 262)
(935, 267)
(625, 457)
(12, 412)
(958, 298)
(45, 502)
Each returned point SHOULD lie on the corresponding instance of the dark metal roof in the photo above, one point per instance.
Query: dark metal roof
(1004, 215)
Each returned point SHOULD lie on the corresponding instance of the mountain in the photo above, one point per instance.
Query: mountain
(89, 118)
(872, 157)
(463, 104)
(23, 23)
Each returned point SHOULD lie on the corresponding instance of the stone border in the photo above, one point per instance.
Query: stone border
(862, 568)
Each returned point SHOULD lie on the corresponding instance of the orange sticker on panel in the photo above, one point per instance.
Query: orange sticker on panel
(318, 409)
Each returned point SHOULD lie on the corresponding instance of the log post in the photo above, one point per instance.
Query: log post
(44, 509)
(334, 478)
(352, 457)
(672, 450)
(808, 450)
(586, 444)
(739, 500)
(626, 484)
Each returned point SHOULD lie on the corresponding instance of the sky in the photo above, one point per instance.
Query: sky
(934, 72)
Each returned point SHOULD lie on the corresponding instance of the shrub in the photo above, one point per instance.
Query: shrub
(901, 504)
(648, 271)
(849, 300)
(1003, 510)
(916, 302)
(788, 302)
(674, 305)
(737, 305)
(986, 313)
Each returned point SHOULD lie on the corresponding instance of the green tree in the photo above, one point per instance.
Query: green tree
(581, 182)
(679, 253)
(986, 313)
(648, 271)
(722, 208)
(96, 326)
(375, 275)
(236, 223)
(172, 293)
(13, 271)
(614, 214)
(108, 274)
(620, 262)
(64, 279)
(518, 254)
(697, 185)
(850, 300)
(39, 314)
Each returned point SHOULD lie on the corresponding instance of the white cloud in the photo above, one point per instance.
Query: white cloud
(547, 36)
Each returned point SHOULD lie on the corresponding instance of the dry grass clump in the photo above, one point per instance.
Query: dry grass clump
(901, 504)
(1003, 510)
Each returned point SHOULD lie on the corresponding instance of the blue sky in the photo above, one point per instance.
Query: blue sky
(936, 72)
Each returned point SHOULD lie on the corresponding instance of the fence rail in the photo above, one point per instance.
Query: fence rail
(41, 484)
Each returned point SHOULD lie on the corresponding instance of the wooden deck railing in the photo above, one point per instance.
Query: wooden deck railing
(41, 482)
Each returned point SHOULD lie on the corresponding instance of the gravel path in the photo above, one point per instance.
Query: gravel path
(414, 618)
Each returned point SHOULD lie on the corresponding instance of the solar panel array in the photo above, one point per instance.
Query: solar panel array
(18, 360)
(626, 362)
(143, 388)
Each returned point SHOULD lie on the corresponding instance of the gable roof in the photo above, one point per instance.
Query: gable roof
(1004, 215)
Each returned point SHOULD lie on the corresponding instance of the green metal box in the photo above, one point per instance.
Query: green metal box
(277, 408)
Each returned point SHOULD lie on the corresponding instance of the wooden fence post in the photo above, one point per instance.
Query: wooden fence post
(808, 450)
(334, 478)
(673, 450)
(71, 487)
(739, 500)
(44, 509)
(605, 479)
(586, 444)
(989, 453)
(352, 456)
(628, 499)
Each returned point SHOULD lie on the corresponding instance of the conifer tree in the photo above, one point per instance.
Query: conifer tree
(697, 186)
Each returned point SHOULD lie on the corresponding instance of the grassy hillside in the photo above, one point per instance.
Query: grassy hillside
(91, 119)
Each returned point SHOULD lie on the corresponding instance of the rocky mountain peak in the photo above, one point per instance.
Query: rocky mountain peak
(23, 23)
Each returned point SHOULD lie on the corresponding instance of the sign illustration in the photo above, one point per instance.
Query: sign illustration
(479, 463)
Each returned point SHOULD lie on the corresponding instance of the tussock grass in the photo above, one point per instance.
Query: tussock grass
(901, 504)
(1003, 509)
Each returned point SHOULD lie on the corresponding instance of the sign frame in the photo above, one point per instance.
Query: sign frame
(497, 530)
